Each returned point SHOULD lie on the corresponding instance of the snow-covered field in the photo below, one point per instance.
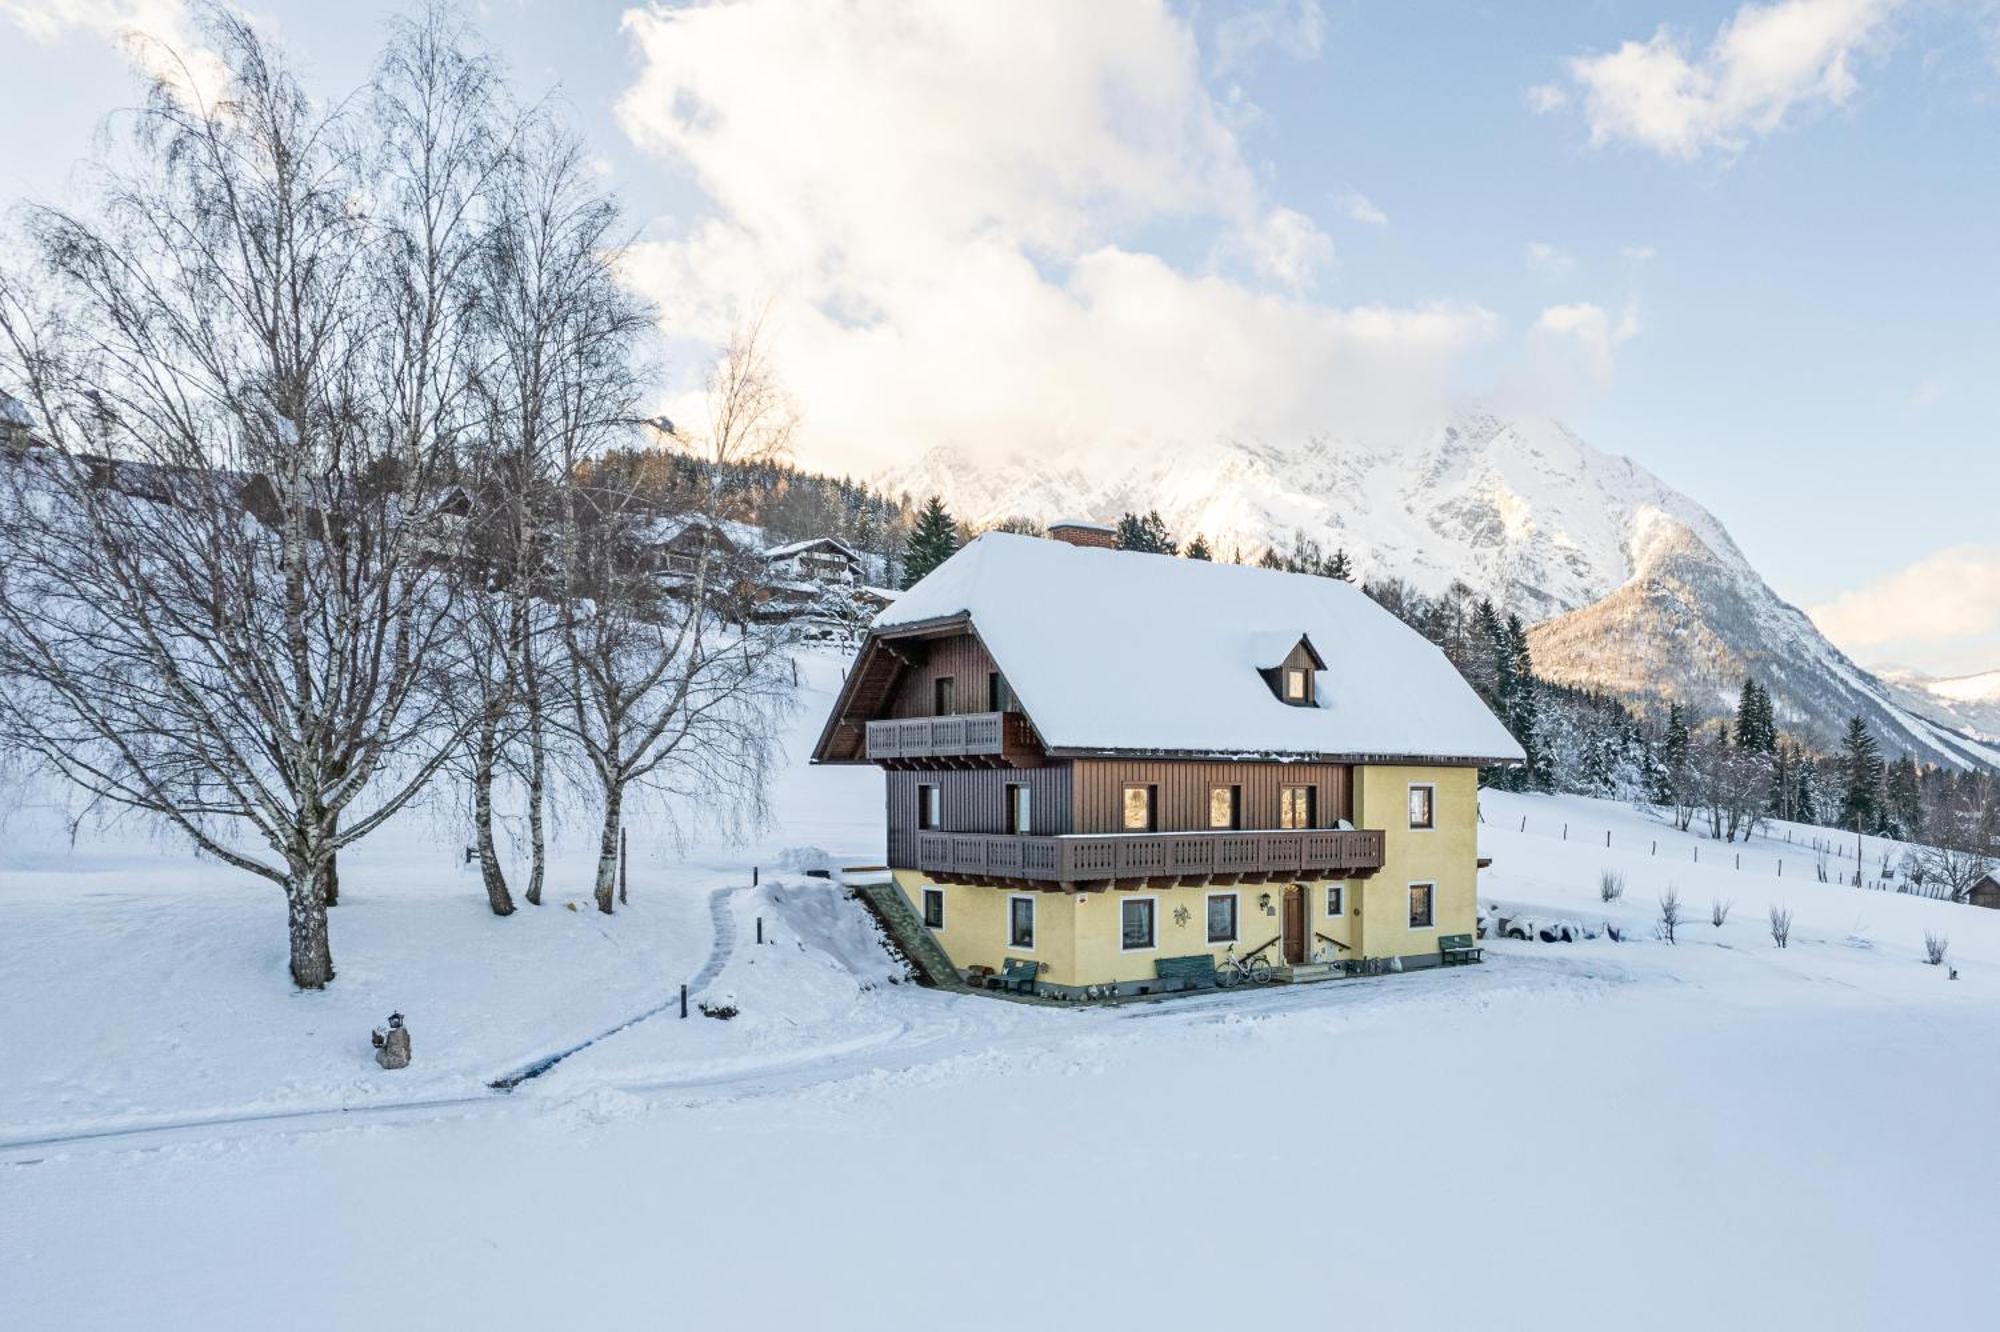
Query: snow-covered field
(1590, 1135)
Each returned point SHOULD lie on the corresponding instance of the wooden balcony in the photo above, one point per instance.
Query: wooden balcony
(972, 739)
(1192, 857)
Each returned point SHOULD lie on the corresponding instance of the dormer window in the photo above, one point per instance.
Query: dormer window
(1294, 677)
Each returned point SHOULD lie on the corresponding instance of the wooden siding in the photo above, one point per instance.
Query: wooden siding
(975, 801)
(962, 657)
(1183, 798)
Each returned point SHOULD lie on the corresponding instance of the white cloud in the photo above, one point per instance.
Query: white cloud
(1545, 98)
(1295, 28)
(157, 36)
(1928, 613)
(1591, 329)
(953, 247)
(1360, 208)
(1640, 254)
(1550, 259)
(1765, 62)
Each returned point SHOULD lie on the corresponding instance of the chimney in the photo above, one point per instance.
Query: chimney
(1077, 532)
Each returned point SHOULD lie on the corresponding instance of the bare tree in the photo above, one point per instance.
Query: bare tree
(1610, 886)
(1670, 913)
(217, 605)
(1718, 913)
(1935, 947)
(1781, 925)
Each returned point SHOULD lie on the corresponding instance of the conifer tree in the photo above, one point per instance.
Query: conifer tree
(1861, 774)
(1197, 549)
(1148, 534)
(1338, 566)
(931, 542)
(1756, 723)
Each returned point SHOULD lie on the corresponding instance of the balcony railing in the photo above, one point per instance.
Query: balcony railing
(996, 735)
(1084, 857)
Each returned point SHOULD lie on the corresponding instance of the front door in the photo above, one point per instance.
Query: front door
(1295, 924)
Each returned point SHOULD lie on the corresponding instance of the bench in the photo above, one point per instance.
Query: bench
(1456, 948)
(1019, 974)
(1193, 971)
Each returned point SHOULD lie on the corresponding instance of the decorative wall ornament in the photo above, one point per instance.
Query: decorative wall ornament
(1182, 915)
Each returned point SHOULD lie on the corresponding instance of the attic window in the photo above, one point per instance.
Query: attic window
(1298, 684)
(1294, 673)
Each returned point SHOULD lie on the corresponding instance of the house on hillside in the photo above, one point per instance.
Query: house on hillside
(680, 543)
(821, 562)
(1986, 893)
(1117, 767)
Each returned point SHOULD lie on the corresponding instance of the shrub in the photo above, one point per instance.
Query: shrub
(1670, 912)
(1610, 886)
(1719, 912)
(1781, 925)
(1935, 947)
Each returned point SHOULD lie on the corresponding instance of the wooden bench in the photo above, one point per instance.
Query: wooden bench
(1019, 974)
(1192, 971)
(1456, 948)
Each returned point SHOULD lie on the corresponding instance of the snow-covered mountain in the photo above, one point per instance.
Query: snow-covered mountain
(1639, 589)
(1968, 702)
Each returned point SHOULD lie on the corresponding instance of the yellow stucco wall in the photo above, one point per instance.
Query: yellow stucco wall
(1078, 935)
(1446, 855)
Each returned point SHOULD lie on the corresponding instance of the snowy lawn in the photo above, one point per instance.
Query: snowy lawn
(1590, 1135)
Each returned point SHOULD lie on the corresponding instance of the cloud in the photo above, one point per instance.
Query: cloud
(1295, 28)
(1545, 98)
(1550, 259)
(1932, 613)
(1640, 254)
(1359, 208)
(1765, 62)
(957, 254)
(1591, 329)
(157, 36)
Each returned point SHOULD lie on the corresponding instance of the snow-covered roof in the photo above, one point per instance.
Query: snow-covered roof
(811, 543)
(15, 413)
(1124, 651)
(662, 530)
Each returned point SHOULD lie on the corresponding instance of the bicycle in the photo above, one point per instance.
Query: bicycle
(1251, 967)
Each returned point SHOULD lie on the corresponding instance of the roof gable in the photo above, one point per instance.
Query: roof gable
(1117, 651)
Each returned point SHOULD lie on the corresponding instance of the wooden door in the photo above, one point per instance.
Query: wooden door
(1295, 924)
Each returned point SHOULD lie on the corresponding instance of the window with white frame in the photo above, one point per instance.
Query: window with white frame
(1222, 918)
(1420, 905)
(1423, 806)
(1336, 899)
(1020, 922)
(934, 908)
(1135, 923)
(930, 808)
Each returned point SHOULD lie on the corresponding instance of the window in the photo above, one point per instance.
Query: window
(1222, 918)
(1020, 922)
(930, 808)
(1335, 893)
(1139, 803)
(934, 908)
(1135, 916)
(1298, 685)
(1423, 807)
(944, 696)
(1297, 807)
(1018, 809)
(1420, 905)
(1225, 807)
(996, 692)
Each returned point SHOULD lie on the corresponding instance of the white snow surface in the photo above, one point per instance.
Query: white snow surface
(1713, 1134)
(1121, 650)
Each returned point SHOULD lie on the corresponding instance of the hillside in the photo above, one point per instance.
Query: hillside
(1643, 591)
(1969, 703)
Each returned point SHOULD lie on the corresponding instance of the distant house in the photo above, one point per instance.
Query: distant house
(822, 561)
(1105, 769)
(678, 543)
(17, 423)
(1986, 893)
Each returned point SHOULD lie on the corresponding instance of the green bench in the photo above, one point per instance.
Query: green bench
(1456, 948)
(1019, 974)
(1192, 972)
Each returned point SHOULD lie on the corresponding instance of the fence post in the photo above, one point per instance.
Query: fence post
(1697, 853)
(760, 929)
(1565, 832)
(1607, 839)
(1524, 823)
(753, 876)
(1781, 869)
(1656, 846)
(621, 867)
(684, 1001)
(1739, 860)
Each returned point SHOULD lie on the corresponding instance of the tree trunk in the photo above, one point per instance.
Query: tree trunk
(537, 785)
(330, 882)
(607, 847)
(312, 957)
(495, 879)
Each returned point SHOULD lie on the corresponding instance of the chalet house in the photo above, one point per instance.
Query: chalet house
(1985, 893)
(1101, 761)
(819, 562)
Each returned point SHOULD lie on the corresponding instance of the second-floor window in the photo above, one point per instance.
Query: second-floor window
(1139, 808)
(1423, 807)
(944, 696)
(996, 692)
(1297, 807)
(1020, 810)
(1225, 807)
(930, 807)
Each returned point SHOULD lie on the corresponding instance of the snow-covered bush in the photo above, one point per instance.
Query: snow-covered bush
(1670, 912)
(1610, 886)
(1719, 912)
(1781, 925)
(1935, 947)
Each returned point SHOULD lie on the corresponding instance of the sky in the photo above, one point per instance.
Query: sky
(1756, 247)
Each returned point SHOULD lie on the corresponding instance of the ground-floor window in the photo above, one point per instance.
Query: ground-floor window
(1135, 917)
(1222, 918)
(934, 908)
(1335, 899)
(1020, 922)
(1420, 905)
